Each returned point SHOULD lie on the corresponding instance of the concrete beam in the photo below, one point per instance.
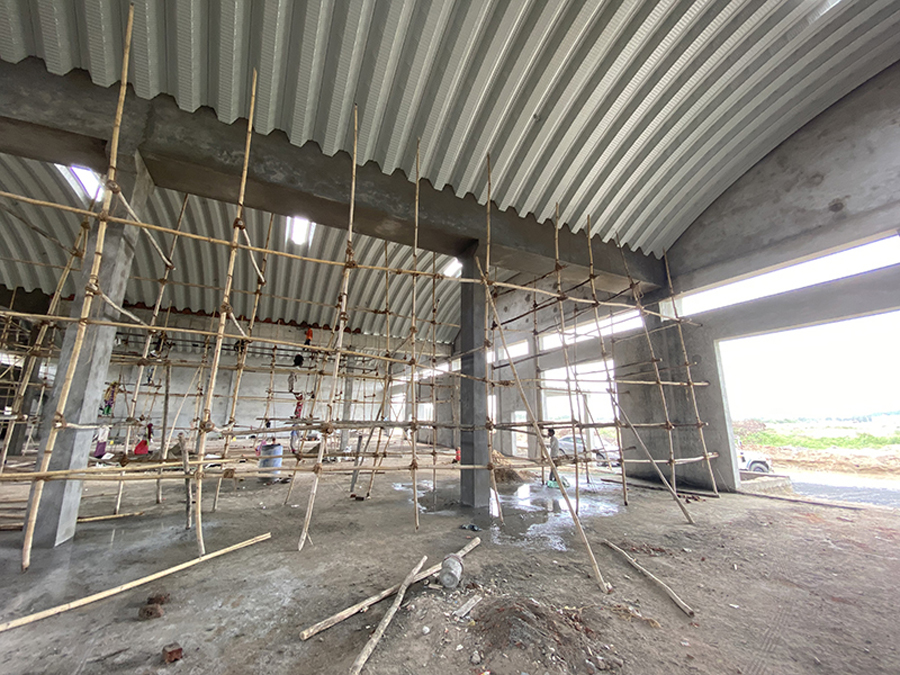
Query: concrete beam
(67, 119)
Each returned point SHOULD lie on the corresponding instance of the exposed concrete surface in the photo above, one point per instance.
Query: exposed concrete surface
(778, 587)
(68, 119)
(58, 509)
(834, 182)
(475, 487)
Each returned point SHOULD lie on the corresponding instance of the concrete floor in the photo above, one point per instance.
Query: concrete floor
(778, 587)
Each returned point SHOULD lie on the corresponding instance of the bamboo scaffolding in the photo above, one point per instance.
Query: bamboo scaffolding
(488, 387)
(690, 378)
(90, 291)
(338, 335)
(35, 352)
(546, 453)
(576, 430)
(605, 356)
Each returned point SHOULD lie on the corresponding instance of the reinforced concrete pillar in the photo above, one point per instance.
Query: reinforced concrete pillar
(474, 484)
(58, 510)
(348, 404)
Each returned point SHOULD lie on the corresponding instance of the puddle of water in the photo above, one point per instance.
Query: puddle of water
(534, 515)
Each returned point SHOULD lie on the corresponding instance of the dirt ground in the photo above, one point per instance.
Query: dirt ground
(781, 588)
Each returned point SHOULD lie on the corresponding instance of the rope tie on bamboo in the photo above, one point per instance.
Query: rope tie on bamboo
(58, 420)
(113, 186)
(207, 426)
(318, 469)
(328, 428)
(489, 425)
(413, 465)
(239, 223)
(668, 426)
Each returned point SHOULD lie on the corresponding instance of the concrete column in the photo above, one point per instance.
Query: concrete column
(643, 405)
(58, 510)
(348, 405)
(474, 484)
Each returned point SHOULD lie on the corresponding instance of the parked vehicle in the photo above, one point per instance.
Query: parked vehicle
(604, 452)
(749, 460)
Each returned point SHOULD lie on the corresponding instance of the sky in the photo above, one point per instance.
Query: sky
(845, 369)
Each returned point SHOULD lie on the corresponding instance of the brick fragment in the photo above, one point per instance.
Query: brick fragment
(172, 652)
(150, 612)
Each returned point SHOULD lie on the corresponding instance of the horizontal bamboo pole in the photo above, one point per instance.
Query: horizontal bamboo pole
(112, 516)
(59, 609)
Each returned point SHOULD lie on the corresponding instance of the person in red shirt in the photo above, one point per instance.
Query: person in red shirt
(309, 335)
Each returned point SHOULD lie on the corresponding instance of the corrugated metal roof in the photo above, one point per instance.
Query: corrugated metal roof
(32, 260)
(638, 114)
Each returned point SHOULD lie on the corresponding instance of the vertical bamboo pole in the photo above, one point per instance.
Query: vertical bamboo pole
(636, 294)
(539, 396)
(488, 381)
(690, 378)
(132, 405)
(414, 403)
(242, 357)
(610, 384)
(34, 352)
(340, 324)
(576, 430)
(434, 380)
(546, 453)
(388, 378)
(91, 289)
(206, 425)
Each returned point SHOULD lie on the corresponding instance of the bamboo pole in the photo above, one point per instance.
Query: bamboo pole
(682, 605)
(338, 335)
(659, 473)
(242, 353)
(606, 359)
(413, 383)
(690, 378)
(147, 342)
(33, 354)
(636, 293)
(570, 371)
(488, 383)
(386, 620)
(596, 569)
(90, 290)
(363, 605)
(206, 425)
(59, 609)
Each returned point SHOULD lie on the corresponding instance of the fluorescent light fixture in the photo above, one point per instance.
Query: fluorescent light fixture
(300, 231)
(453, 268)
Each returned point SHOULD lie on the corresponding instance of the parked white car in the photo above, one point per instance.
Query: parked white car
(748, 460)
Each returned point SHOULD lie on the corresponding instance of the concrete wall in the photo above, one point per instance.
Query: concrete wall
(833, 183)
(860, 295)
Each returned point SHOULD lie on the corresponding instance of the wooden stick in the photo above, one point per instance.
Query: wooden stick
(682, 605)
(361, 606)
(15, 623)
(386, 620)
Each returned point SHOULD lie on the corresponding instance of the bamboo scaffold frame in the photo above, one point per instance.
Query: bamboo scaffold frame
(405, 362)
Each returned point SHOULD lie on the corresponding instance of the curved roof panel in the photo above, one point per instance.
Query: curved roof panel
(635, 113)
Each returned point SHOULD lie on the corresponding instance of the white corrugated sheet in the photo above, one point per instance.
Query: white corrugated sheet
(637, 114)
